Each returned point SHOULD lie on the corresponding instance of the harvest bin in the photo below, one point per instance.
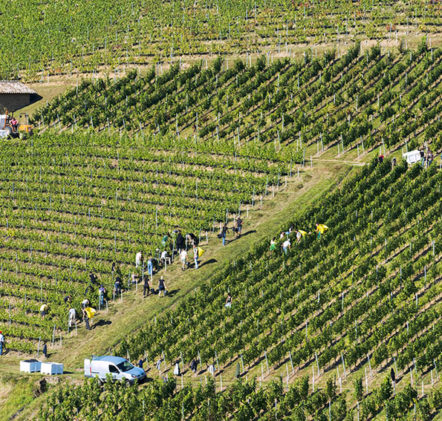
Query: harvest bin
(51, 368)
(30, 366)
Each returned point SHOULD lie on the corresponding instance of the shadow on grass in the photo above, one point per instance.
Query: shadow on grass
(172, 292)
(207, 262)
(101, 322)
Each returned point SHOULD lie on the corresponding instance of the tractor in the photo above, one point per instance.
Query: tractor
(10, 127)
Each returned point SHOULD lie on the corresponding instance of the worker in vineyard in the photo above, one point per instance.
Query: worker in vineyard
(238, 228)
(273, 244)
(180, 242)
(146, 286)
(72, 317)
(165, 240)
(67, 299)
(149, 266)
(90, 313)
(164, 258)
(321, 229)
(84, 303)
(2, 343)
(14, 124)
(228, 303)
(161, 287)
(102, 295)
(86, 320)
(299, 235)
(286, 245)
(194, 365)
(195, 256)
(117, 286)
(422, 154)
(192, 239)
(223, 233)
(139, 259)
(44, 309)
(183, 258)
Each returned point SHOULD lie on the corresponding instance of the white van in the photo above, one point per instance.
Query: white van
(119, 369)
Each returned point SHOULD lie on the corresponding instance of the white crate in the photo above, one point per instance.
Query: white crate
(30, 366)
(51, 368)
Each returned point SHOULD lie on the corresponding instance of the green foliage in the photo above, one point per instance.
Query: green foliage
(72, 204)
(359, 390)
(386, 390)
(266, 107)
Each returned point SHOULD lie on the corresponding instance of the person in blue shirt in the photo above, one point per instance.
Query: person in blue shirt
(149, 266)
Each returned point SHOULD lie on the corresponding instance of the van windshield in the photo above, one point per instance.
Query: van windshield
(125, 366)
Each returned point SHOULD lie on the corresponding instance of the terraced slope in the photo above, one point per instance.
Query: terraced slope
(243, 400)
(365, 295)
(73, 204)
(368, 291)
(358, 100)
(68, 37)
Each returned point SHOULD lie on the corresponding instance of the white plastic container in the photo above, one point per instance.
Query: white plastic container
(51, 368)
(30, 366)
(412, 157)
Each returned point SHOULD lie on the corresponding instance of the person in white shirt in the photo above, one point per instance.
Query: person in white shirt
(138, 259)
(72, 316)
(183, 258)
(286, 246)
(44, 310)
(165, 258)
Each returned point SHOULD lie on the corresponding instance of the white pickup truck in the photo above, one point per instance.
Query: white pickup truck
(118, 368)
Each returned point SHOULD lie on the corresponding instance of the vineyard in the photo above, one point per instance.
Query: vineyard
(359, 100)
(154, 118)
(366, 294)
(358, 294)
(243, 400)
(70, 205)
(46, 38)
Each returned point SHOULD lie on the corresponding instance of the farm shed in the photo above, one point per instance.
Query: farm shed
(15, 95)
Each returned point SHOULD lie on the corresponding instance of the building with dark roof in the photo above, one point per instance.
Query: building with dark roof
(15, 95)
